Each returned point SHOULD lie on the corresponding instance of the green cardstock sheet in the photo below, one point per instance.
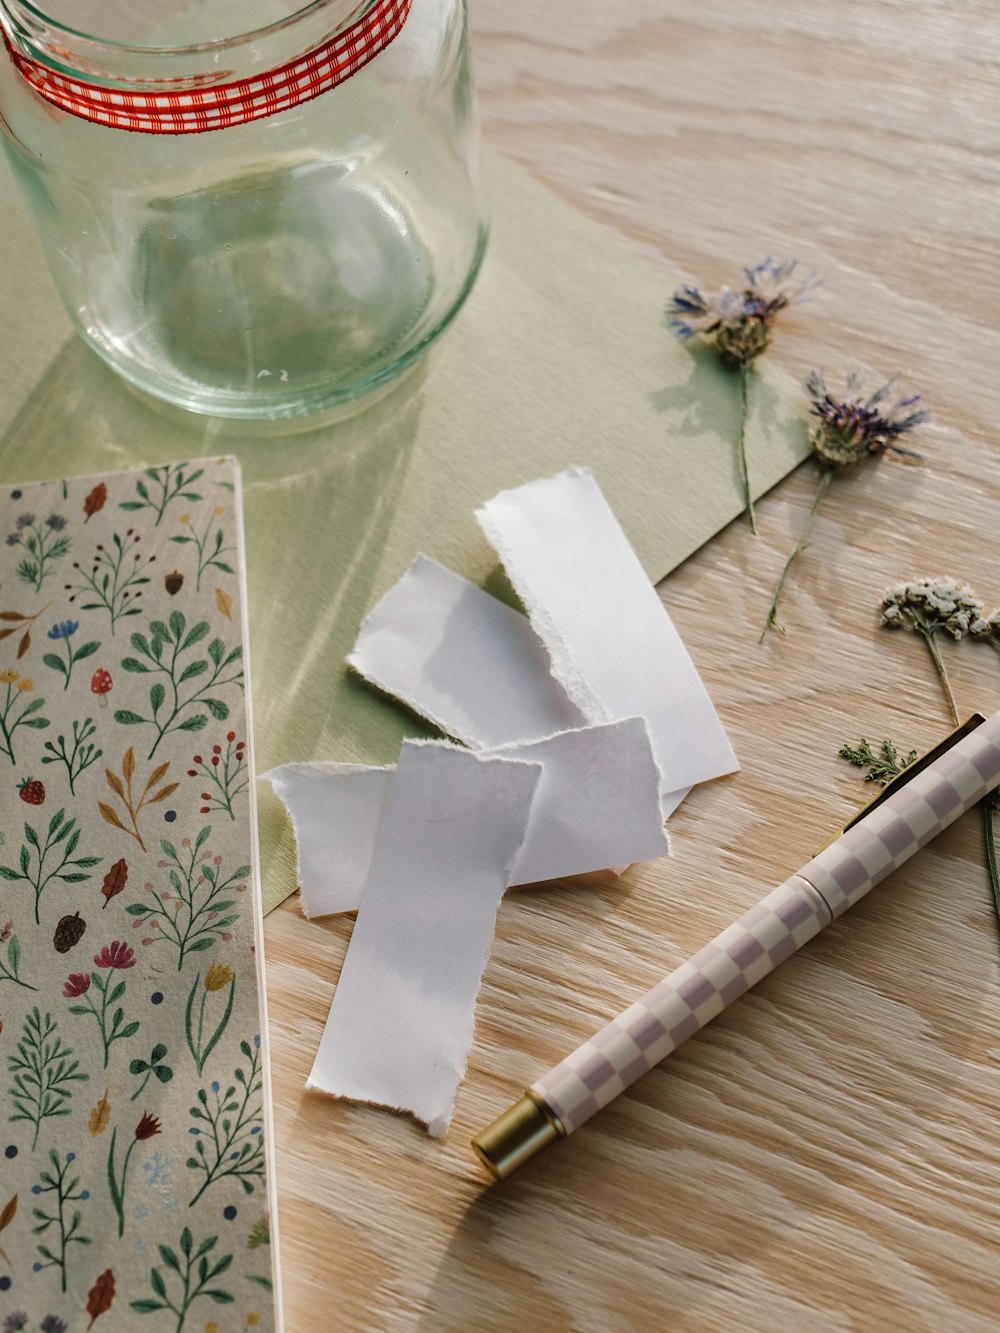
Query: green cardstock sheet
(561, 356)
(134, 1112)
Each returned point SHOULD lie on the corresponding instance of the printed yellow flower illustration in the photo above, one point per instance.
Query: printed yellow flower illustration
(25, 685)
(218, 976)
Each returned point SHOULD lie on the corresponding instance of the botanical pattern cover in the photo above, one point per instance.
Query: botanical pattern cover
(134, 1131)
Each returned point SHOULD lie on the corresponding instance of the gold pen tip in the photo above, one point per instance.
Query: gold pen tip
(522, 1131)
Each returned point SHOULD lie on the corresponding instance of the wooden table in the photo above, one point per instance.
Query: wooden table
(825, 1155)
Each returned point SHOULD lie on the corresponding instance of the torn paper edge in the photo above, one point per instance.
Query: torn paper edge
(510, 626)
(564, 666)
(319, 898)
(350, 1087)
(336, 890)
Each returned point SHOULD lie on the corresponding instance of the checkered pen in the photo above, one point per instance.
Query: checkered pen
(907, 815)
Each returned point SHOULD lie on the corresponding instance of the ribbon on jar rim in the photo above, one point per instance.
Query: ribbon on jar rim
(197, 110)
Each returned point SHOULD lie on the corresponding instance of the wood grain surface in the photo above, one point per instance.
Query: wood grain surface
(825, 1156)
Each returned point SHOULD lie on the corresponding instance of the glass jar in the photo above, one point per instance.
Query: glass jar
(286, 262)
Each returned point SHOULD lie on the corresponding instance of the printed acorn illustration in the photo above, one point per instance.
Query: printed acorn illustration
(31, 791)
(173, 582)
(68, 932)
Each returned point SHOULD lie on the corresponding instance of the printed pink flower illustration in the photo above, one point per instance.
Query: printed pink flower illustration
(116, 954)
(77, 983)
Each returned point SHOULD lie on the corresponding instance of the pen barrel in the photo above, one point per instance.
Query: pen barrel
(908, 819)
(753, 946)
(677, 1007)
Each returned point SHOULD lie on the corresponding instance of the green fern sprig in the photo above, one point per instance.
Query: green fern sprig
(882, 766)
(40, 1069)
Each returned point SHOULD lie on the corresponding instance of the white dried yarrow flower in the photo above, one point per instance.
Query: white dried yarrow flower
(930, 604)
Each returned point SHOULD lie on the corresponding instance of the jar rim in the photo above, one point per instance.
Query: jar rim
(27, 9)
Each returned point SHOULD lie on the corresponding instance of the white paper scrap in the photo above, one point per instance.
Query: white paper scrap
(401, 1024)
(610, 641)
(595, 808)
(337, 811)
(597, 802)
(462, 659)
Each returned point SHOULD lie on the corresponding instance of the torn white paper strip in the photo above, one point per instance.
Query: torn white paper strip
(401, 1024)
(337, 810)
(462, 659)
(596, 807)
(610, 641)
(597, 802)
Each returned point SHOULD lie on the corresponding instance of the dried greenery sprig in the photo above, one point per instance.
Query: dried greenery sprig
(847, 431)
(883, 765)
(738, 323)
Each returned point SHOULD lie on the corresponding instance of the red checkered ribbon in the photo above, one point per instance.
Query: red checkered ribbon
(196, 110)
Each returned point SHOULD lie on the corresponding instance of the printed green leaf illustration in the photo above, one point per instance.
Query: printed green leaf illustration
(188, 1278)
(160, 486)
(64, 1232)
(210, 550)
(228, 1136)
(82, 755)
(198, 908)
(13, 715)
(61, 839)
(163, 653)
(10, 969)
(115, 579)
(41, 1069)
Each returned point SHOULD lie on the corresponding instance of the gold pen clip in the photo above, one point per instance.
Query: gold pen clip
(901, 779)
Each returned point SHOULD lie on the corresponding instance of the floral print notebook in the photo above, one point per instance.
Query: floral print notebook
(135, 1142)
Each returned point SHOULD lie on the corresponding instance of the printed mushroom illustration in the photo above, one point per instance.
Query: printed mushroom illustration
(100, 685)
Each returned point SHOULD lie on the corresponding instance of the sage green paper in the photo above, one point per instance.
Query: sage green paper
(562, 355)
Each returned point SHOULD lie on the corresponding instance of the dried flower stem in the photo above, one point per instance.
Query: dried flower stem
(744, 470)
(929, 638)
(772, 615)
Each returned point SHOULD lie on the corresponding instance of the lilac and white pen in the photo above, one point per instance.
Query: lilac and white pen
(917, 806)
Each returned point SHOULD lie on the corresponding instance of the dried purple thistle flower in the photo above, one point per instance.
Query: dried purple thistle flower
(738, 323)
(856, 427)
(850, 430)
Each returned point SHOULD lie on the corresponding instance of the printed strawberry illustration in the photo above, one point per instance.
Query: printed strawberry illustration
(31, 791)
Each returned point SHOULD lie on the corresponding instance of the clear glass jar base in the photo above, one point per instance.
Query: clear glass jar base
(273, 399)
